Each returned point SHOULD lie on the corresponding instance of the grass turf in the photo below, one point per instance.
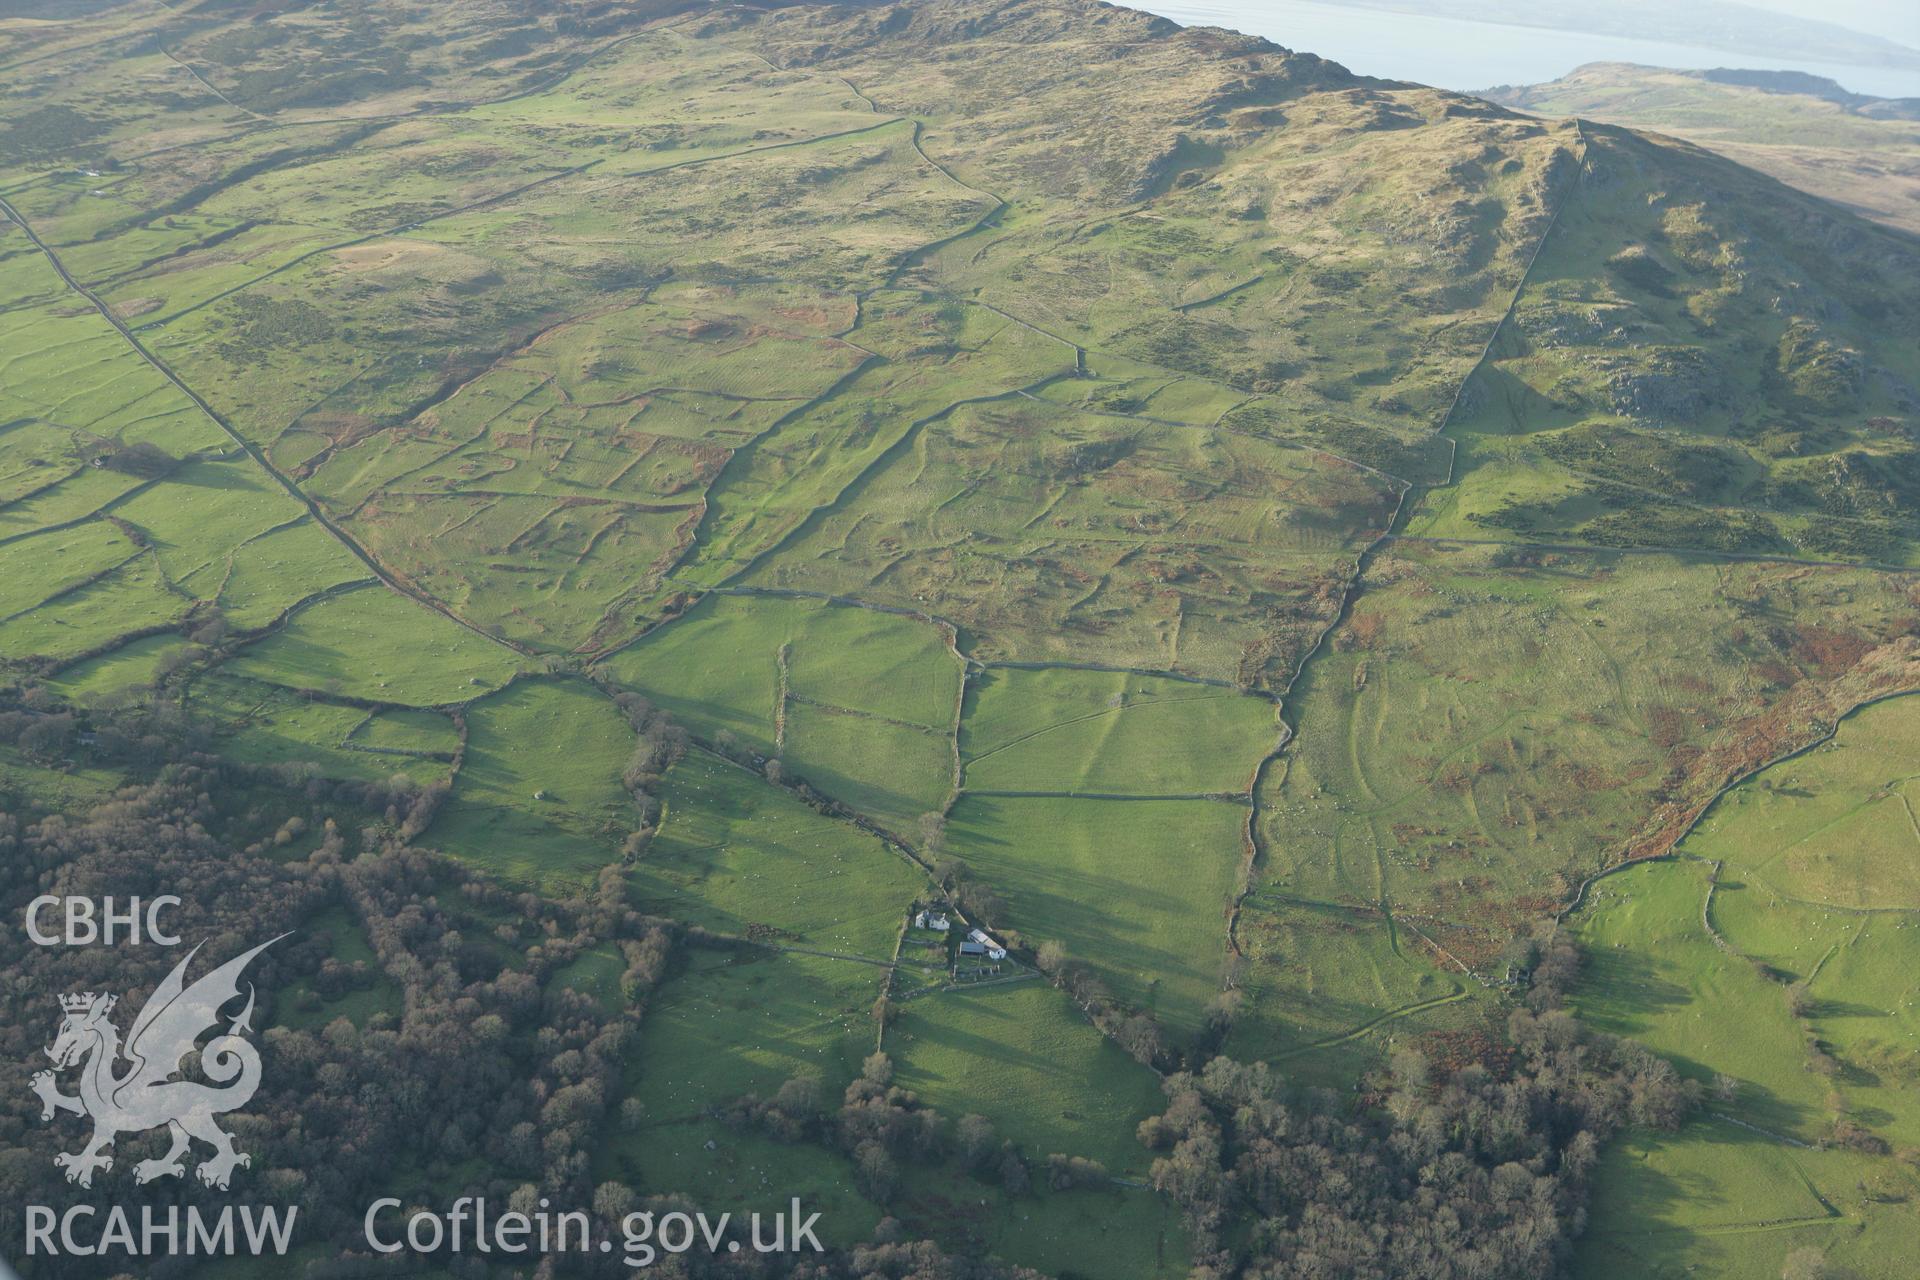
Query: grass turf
(1125, 885)
(1107, 732)
(736, 854)
(538, 796)
(374, 643)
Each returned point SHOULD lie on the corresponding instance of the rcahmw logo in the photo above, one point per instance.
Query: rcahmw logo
(135, 1086)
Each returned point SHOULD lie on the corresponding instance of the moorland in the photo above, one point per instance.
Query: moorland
(1297, 560)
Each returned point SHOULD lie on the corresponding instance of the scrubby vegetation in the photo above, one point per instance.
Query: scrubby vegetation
(597, 516)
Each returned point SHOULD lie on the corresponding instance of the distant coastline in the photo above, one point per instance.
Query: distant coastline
(1469, 56)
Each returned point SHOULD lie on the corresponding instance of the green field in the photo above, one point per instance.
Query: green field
(1816, 857)
(891, 772)
(127, 598)
(376, 645)
(1126, 1233)
(1715, 1200)
(1128, 886)
(347, 943)
(1833, 827)
(595, 974)
(28, 785)
(1706, 981)
(675, 668)
(1094, 731)
(1274, 534)
(734, 853)
(539, 792)
(404, 730)
(130, 665)
(1019, 1056)
(858, 703)
(1088, 537)
(1325, 987)
(1656, 976)
(808, 1016)
(277, 570)
(1493, 727)
(877, 663)
(267, 724)
(50, 565)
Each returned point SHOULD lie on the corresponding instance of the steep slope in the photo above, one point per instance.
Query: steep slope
(1258, 536)
(1858, 151)
(1701, 359)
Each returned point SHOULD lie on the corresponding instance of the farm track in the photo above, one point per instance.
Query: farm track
(1355, 1033)
(833, 955)
(1158, 673)
(1786, 1138)
(1913, 821)
(834, 708)
(1105, 712)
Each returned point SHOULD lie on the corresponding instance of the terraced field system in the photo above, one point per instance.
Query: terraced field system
(1272, 535)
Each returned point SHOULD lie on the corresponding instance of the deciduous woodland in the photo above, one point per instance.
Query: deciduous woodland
(1103, 650)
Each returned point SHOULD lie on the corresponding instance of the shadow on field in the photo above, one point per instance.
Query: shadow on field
(1830, 1008)
(1658, 1195)
(999, 1051)
(188, 477)
(1633, 989)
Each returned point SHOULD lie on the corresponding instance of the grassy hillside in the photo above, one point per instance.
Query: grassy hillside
(1257, 539)
(1757, 970)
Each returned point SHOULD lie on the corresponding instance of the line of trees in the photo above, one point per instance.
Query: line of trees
(1136, 1032)
(879, 1126)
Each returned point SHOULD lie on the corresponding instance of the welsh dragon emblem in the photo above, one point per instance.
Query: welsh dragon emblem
(146, 1095)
